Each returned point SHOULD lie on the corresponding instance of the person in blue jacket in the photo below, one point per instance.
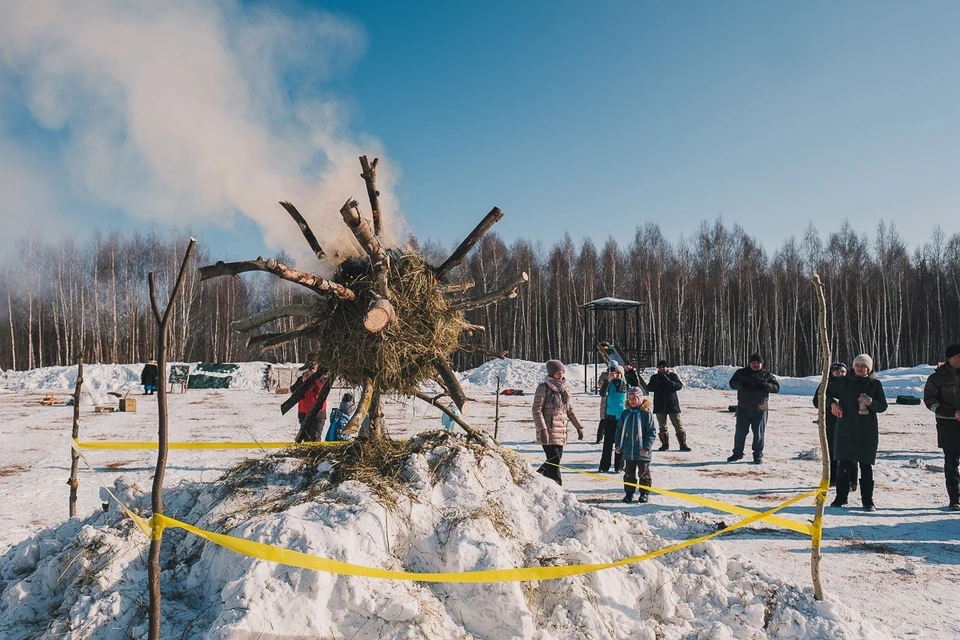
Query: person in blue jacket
(634, 438)
(613, 394)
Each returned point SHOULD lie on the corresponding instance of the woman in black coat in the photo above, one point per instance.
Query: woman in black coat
(857, 398)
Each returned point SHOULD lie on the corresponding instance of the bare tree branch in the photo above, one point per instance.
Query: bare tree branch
(369, 176)
(309, 280)
(252, 322)
(461, 252)
(457, 287)
(304, 229)
(476, 434)
(266, 341)
(507, 291)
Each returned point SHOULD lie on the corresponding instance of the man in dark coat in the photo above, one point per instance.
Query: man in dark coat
(148, 378)
(941, 394)
(753, 385)
(664, 385)
(837, 370)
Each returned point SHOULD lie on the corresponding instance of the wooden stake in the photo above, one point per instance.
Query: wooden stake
(74, 456)
(304, 229)
(815, 554)
(461, 252)
(369, 175)
(258, 319)
(163, 319)
(505, 292)
(363, 408)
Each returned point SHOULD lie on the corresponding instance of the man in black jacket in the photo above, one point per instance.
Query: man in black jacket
(941, 394)
(664, 384)
(753, 384)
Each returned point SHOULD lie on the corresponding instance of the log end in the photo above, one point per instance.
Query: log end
(380, 314)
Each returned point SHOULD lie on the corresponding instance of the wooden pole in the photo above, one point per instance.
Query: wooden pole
(311, 281)
(163, 319)
(369, 176)
(74, 456)
(815, 553)
(468, 243)
(496, 412)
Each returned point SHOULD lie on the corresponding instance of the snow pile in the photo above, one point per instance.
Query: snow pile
(454, 508)
(118, 377)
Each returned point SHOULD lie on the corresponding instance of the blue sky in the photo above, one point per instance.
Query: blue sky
(587, 118)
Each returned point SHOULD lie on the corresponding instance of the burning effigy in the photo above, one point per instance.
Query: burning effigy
(386, 322)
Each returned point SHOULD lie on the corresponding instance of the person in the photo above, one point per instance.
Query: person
(633, 378)
(664, 384)
(613, 398)
(552, 407)
(339, 418)
(148, 377)
(941, 394)
(312, 431)
(837, 370)
(633, 439)
(856, 400)
(753, 385)
(449, 423)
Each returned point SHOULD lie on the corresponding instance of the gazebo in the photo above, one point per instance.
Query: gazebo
(609, 319)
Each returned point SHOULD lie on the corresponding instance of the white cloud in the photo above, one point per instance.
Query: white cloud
(186, 112)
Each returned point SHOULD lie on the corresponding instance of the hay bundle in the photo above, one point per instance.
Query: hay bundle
(401, 356)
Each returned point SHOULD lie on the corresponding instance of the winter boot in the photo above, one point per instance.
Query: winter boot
(627, 498)
(866, 495)
(843, 490)
(683, 444)
(644, 496)
(854, 471)
(954, 492)
(664, 441)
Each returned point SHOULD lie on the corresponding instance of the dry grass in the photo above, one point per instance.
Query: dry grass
(119, 464)
(860, 544)
(401, 356)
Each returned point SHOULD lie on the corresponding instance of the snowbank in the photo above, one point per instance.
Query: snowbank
(458, 508)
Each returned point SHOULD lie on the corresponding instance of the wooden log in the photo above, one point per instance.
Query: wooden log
(380, 314)
(304, 229)
(450, 382)
(477, 434)
(461, 252)
(456, 287)
(363, 232)
(369, 175)
(291, 310)
(363, 408)
(470, 328)
(311, 281)
(273, 340)
(825, 355)
(507, 291)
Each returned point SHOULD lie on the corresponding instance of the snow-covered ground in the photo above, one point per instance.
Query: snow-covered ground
(888, 574)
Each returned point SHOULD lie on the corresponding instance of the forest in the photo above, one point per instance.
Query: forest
(711, 298)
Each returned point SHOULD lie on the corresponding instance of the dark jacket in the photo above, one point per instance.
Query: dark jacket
(753, 388)
(664, 387)
(857, 436)
(831, 419)
(941, 394)
(148, 377)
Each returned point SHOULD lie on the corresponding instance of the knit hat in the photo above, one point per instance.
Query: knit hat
(662, 363)
(554, 366)
(953, 350)
(837, 365)
(864, 358)
(756, 357)
(612, 365)
(637, 392)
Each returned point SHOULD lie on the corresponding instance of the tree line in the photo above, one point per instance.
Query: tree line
(711, 298)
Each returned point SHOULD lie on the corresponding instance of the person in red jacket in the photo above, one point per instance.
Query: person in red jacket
(312, 432)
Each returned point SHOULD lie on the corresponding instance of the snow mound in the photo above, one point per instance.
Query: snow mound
(444, 506)
(118, 377)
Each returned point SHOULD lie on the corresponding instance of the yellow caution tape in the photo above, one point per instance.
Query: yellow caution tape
(306, 561)
(100, 444)
(786, 523)
(817, 527)
(154, 530)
